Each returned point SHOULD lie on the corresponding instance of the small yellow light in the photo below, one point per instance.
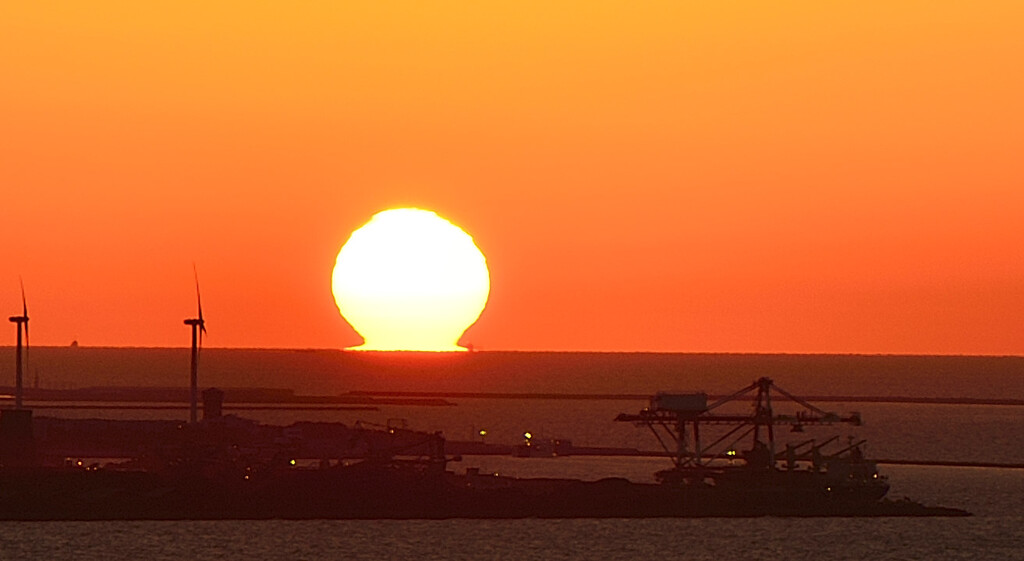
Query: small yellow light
(292, 462)
(527, 435)
(483, 432)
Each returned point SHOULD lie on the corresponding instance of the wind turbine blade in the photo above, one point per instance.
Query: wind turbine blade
(24, 303)
(199, 300)
(199, 305)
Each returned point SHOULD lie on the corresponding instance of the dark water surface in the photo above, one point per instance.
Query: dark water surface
(899, 431)
(331, 371)
(981, 537)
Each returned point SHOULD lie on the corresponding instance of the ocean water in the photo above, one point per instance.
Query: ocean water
(990, 535)
(894, 431)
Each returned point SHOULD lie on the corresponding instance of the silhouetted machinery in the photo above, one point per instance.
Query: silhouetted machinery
(680, 422)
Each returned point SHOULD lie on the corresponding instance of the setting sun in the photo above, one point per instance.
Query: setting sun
(410, 280)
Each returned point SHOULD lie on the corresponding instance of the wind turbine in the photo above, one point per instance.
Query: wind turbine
(20, 320)
(198, 329)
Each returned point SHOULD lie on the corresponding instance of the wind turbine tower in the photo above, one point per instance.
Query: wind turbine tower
(21, 320)
(198, 329)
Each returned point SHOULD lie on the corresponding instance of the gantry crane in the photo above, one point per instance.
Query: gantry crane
(676, 419)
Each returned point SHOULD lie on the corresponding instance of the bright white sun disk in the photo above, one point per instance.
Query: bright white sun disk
(410, 280)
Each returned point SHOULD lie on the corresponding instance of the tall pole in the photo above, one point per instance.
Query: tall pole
(697, 452)
(681, 443)
(771, 423)
(18, 392)
(194, 378)
(18, 385)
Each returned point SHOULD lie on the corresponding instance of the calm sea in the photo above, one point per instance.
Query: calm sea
(978, 433)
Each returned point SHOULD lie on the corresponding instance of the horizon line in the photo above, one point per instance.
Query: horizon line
(477, 350)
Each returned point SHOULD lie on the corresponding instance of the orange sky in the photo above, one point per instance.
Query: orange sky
(674, 176)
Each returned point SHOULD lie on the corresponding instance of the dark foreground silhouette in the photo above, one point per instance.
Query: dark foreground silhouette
(229, 468)
(400, 490)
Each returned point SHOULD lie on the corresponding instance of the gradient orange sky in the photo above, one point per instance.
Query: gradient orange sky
(670, 176)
